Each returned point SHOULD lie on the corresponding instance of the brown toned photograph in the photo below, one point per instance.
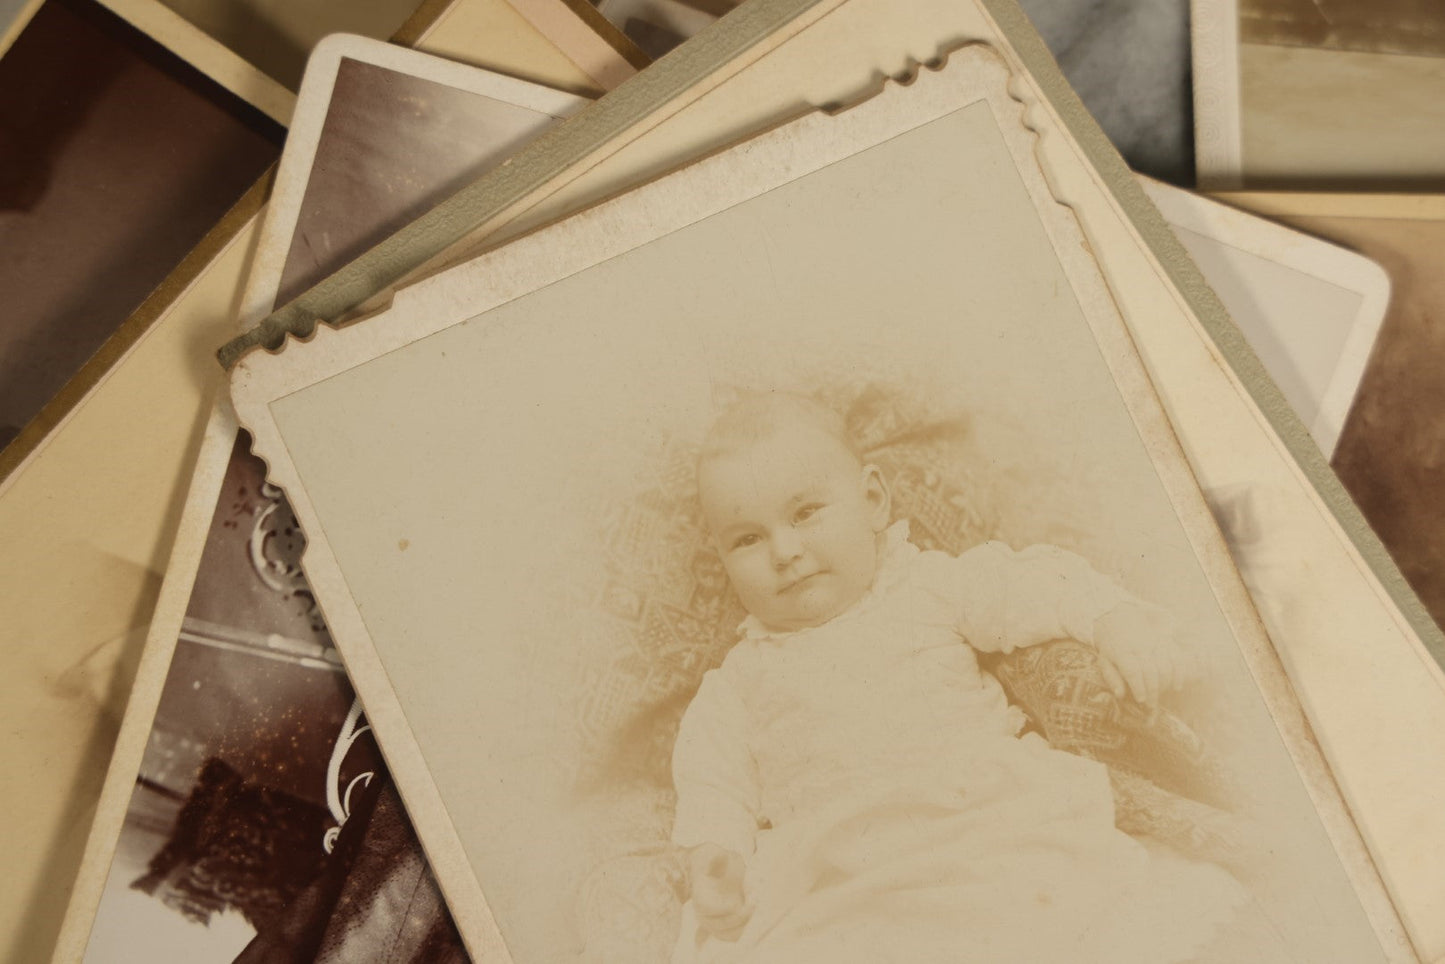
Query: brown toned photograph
(802, 570)
(263, 827)
(116, 158)
(399, 136)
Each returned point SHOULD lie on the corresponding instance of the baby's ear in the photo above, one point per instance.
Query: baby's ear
(879, 499)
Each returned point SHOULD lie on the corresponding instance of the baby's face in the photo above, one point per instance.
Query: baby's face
(796, 520)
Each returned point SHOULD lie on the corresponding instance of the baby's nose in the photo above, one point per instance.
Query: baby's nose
(787, 547)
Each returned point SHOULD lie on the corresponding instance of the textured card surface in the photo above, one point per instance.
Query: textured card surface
(514, 567)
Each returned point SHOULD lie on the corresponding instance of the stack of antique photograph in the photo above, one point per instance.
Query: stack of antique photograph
(713, 482)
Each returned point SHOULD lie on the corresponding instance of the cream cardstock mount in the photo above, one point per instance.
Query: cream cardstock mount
(270, 391)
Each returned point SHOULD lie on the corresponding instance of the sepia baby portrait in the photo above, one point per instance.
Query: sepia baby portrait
(852, 787)
(893, 708)
(820, 582)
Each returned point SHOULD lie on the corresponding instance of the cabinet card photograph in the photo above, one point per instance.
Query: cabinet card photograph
(790, 561)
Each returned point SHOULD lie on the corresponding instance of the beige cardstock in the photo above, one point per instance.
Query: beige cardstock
(452, 460)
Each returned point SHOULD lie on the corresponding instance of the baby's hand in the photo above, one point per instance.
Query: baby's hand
(1140, 654)
(716, 876)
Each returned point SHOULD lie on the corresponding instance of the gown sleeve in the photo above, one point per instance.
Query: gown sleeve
(1005, 600)
(714, 772)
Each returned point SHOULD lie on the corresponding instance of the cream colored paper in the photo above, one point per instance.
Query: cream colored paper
(507, 400)
(598, 49)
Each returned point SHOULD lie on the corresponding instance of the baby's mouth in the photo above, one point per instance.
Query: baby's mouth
(799, 582)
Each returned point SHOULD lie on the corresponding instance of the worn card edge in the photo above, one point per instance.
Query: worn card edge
(1214, 66)
(585, 37)
(1382, 207)
(637, 105)
(1307, 255)
(217, 442)
(313, 106)
(35, 434)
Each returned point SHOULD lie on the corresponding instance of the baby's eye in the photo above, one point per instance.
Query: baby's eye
(806, 512)
(745, 540)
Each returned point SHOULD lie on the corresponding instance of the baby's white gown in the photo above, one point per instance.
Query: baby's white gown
(906, 820)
